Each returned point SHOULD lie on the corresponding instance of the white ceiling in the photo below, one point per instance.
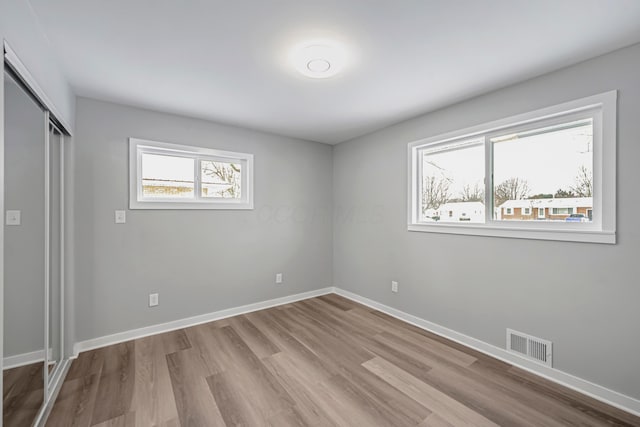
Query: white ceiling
(226, 60)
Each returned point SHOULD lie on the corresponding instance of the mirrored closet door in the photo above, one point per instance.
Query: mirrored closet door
(34, 357)
(54, 151)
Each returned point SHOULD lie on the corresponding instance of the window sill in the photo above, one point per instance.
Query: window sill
(585, 236)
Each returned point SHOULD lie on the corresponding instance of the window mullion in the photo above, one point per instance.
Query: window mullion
(488, 181)
(196, 178)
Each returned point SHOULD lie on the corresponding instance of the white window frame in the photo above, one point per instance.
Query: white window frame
(525, 211)
(600, 107)
(138, 147)
(508, 211)
(541, 213)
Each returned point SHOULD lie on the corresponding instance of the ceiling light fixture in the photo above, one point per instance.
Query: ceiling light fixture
(319, 58)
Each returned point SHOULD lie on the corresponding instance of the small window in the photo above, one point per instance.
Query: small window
(171, 176)
(559, 161)
(167, 177)
(220, 179)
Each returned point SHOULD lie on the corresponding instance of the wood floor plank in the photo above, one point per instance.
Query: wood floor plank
(294, 348)
(348, 408)
(322, 339)
(349, 391)
(126, 420)
(300, 383)
(419, 352)
(21, 409)
(234, 408)
(173, 341)
(396, 331)
(383, 395)
(115, 390)
(393, 322)
(567, 411)
(203, 347)
(22, 379)
(194, 402)
(338, 301)
(340, 319)
(440, 403)
(153, 401)
(607, 414)
(75, 403)
(325, 361)
(253, 337)
(23, 393)
(435, 420)
(291, 418)
(87, 363)
(249, 377)
(488, 399)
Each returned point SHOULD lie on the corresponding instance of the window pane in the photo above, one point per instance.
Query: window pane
(220, 179)
(453, 183)
(545, 174)
(167, 177)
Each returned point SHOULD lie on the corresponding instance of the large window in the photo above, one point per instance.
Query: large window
(548, 174)
(171, 176)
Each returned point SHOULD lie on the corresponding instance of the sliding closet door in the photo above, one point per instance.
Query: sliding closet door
(55, 227)
(24, 255)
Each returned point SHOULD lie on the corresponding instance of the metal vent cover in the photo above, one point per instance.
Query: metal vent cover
(531, 347)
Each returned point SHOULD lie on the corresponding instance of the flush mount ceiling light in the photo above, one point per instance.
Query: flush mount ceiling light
(319, 58)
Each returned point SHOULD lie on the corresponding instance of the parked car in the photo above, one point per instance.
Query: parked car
(576, 217)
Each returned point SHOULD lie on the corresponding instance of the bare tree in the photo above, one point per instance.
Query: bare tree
(584, 183)
(435, 192)
(511, 189)
(472, 194)
(226, 173)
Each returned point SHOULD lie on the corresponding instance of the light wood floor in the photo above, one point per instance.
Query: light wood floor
(320, 362)
(23, 392)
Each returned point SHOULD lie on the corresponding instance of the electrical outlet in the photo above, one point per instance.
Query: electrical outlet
(120, 217)
(153, 300)
(13, 218)
(279, 278)
(394, 286)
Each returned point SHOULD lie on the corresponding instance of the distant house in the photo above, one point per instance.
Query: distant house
(457, 212)
(554, 209)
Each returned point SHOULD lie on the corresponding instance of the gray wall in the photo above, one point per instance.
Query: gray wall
(199, 261)
(584, 297)
(24, 244)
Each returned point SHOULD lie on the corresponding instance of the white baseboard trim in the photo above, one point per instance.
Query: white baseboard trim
(22, 359)
(191, 321)
(610, 397)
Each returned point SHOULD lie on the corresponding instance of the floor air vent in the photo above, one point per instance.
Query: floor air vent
(528, 346)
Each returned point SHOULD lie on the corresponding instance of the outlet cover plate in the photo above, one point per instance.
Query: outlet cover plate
(394, 286)
(153, 300)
